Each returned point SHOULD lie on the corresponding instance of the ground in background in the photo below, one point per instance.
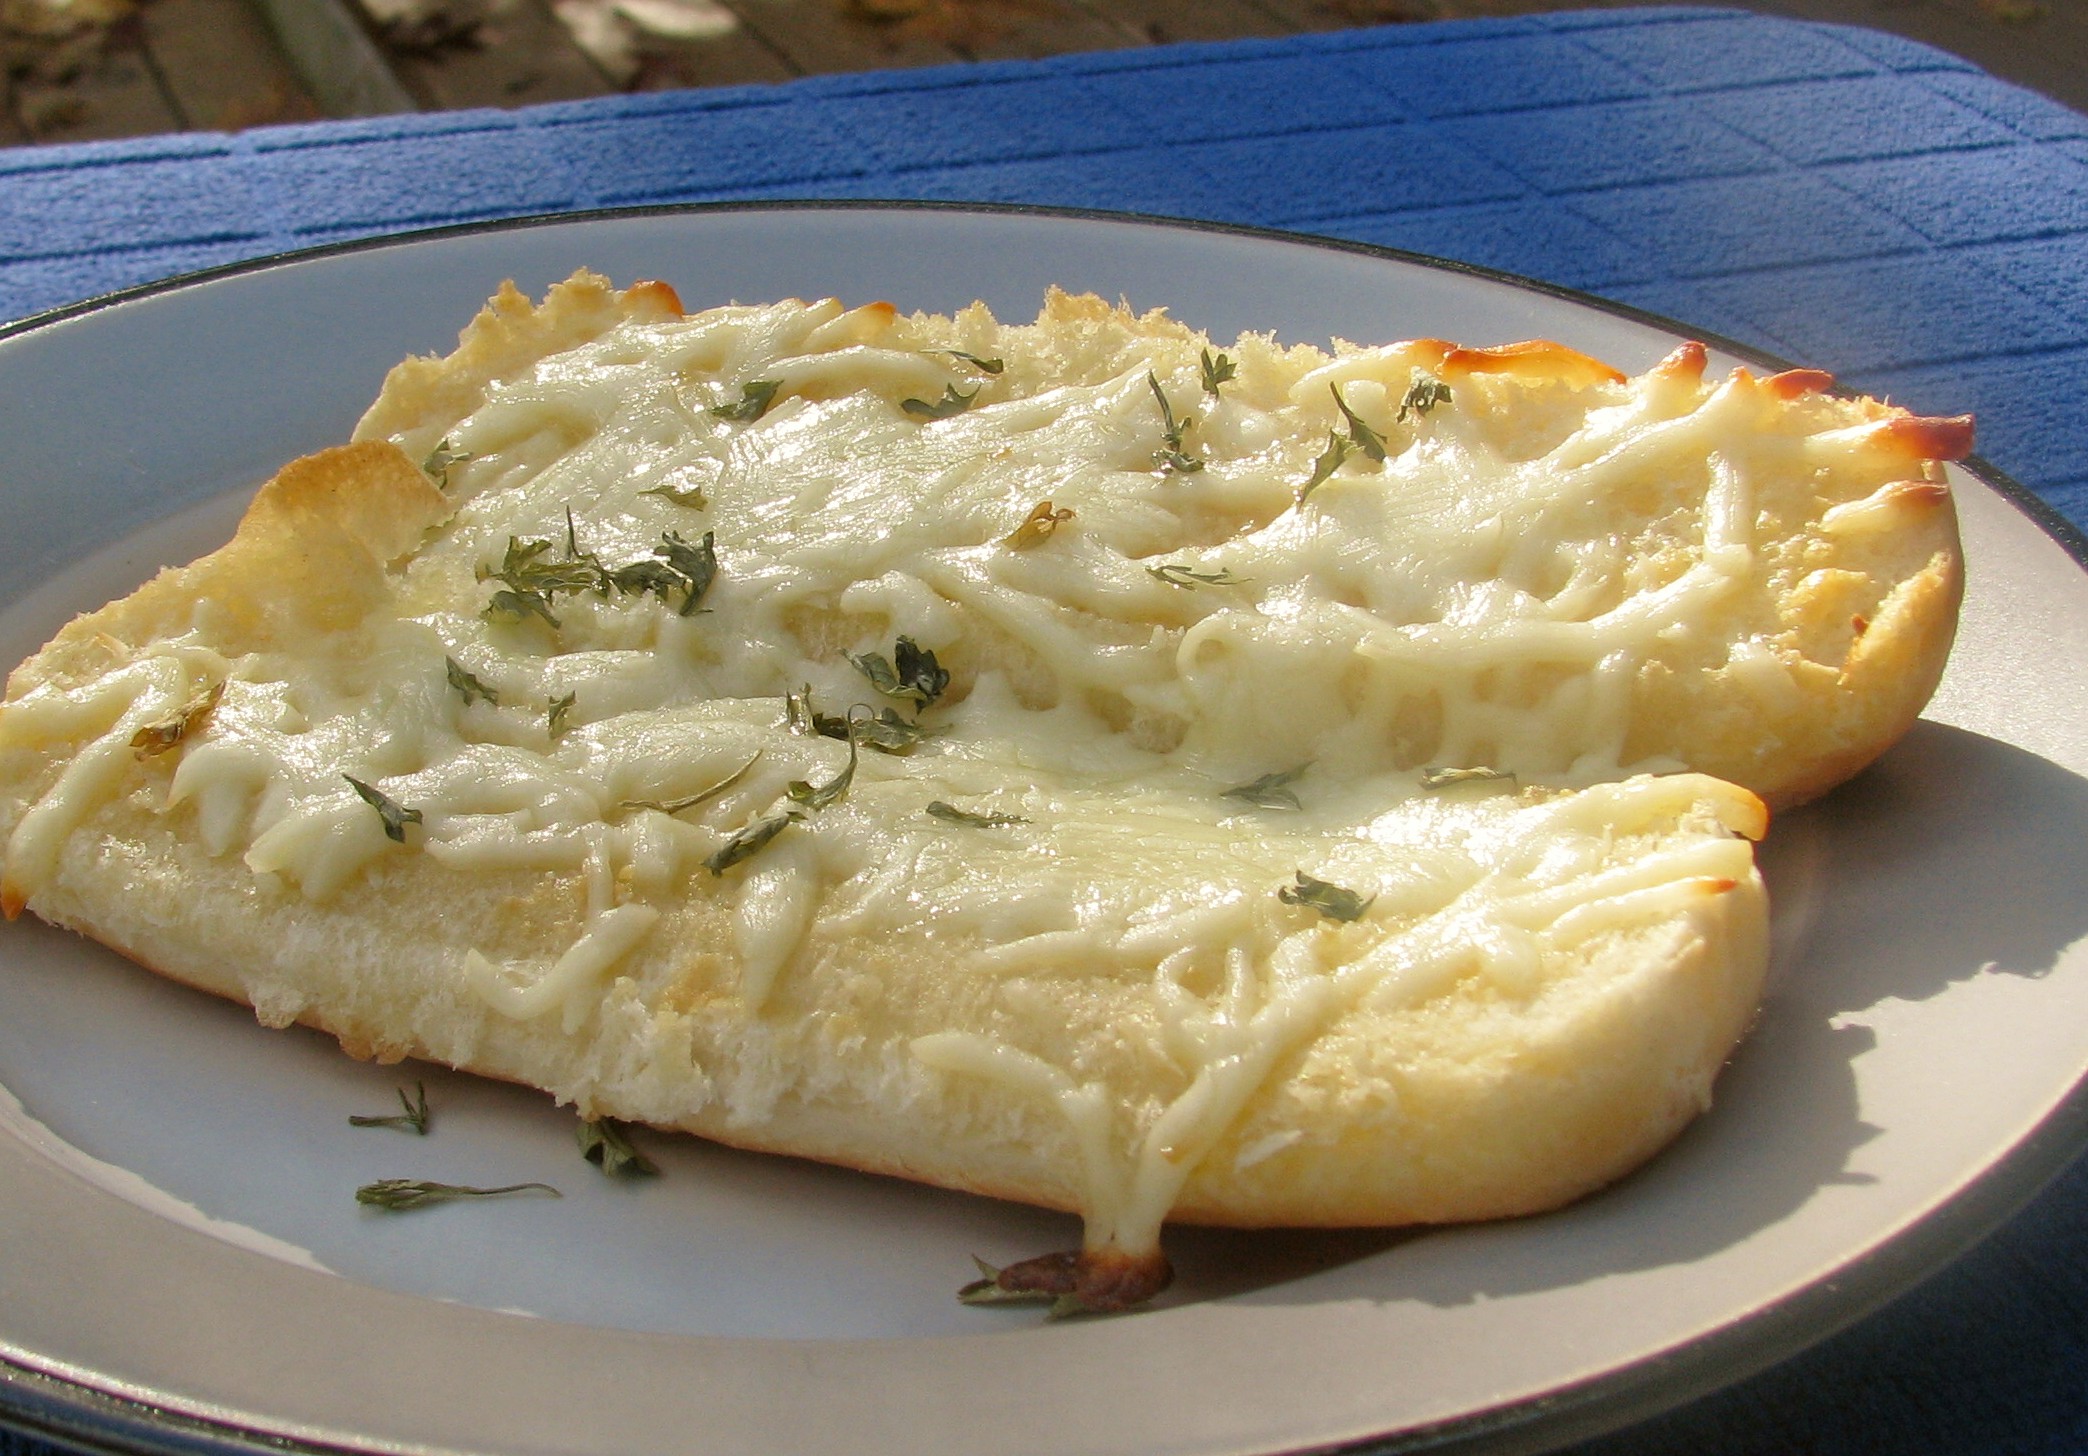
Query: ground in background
(78, 70)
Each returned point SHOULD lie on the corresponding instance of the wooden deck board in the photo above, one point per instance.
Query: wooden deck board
(12, 132)
(113, 95)
(1341, 14)
(740, 58)
(1160, 22)
(1026, 30)
(330, 48)
(519, 54)
(221, 68)
(821, 36)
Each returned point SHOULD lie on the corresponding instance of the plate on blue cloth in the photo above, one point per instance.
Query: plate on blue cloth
(183, 1266)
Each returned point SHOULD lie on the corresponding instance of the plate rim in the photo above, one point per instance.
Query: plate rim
(64, 1406)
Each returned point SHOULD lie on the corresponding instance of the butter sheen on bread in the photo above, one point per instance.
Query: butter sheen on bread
(1646, 605)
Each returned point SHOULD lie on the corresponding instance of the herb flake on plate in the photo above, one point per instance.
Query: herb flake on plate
(607, 1144)
(414, 1119)
(395, 1195)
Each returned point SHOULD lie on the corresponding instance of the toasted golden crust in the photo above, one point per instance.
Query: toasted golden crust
(1863, 637)
(308, 556)
(509, 334)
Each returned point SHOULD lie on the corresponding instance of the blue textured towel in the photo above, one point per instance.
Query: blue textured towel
(1839, 196)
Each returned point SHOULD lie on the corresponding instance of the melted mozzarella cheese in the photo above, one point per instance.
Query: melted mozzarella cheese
(1459, 603)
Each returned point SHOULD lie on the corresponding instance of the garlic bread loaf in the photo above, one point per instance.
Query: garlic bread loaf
(1066, 761)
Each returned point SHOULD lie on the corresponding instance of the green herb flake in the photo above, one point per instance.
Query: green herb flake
(647, 577)
(558, 716)
(515, 608)
(697, 564)
(414, 1119)
(678, 573)
(984, 366)
(952, 403)
(161, 736)
(754, 401)
(675, 806)
(1443, 778)
(878, 668)
(1037, 527)
(470, 687)
(818, 796)
(883, 730)
(605, 1143)
(1331, 901)
(1217, 371)
(750, 841)
(1360, 435)
(527, 568)
(682, 495)
(912, 672)
(1054, 1284)
(923, 676)
(531, 581)
(806, 720)
(887, 732)
(1423, 395)
(395, 1195)
(988, 1290)
(799, 715)
(1271, 790)
(951, 814)
(1330, 460)
(1174, 458)
(396, 816)
(437, 466)
(1176, 574)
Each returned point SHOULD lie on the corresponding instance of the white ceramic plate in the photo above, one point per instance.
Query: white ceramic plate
(175, 1182)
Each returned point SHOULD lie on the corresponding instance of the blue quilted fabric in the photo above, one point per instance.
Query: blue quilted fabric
(1840, 196)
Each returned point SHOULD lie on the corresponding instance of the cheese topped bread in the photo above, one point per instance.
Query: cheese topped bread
(1064, 761)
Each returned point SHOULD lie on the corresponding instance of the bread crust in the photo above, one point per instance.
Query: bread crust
(1514, 1072)
(1470, 1105)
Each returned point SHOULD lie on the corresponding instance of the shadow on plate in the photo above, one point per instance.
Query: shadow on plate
(1954, 857)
